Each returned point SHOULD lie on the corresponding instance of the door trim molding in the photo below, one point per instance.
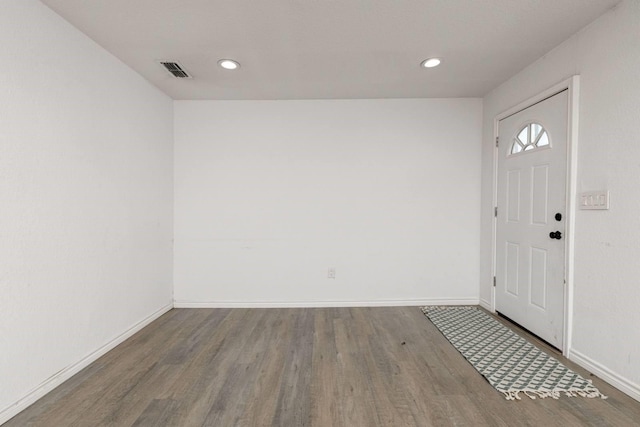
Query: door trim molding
(572, 84)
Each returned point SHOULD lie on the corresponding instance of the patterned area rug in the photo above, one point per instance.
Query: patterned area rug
(510, 363)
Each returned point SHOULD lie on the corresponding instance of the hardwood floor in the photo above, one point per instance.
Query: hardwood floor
(301, 367)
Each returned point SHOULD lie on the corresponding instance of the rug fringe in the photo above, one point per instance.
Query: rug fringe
(554, 394)
(448, 307)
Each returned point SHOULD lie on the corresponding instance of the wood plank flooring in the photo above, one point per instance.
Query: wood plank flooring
(385, 366)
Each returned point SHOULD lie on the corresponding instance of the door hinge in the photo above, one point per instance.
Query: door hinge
(497, 140)
(495, 211)
(494, 281)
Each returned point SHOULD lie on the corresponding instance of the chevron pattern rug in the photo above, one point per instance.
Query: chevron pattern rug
(511, 364)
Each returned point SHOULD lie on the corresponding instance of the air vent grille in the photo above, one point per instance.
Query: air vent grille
(175, 69)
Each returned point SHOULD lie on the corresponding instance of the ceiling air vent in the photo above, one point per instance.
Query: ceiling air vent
(175, 69)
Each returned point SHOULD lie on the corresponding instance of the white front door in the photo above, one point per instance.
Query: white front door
(530, 233)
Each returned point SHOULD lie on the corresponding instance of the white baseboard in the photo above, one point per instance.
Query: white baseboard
(293, 304)
(15, 408)
(485, 304)
(616, 380)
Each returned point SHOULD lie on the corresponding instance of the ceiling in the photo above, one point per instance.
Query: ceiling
(314, 49)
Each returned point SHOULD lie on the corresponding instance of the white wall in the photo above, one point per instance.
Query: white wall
(85, 200)
(270, 194)
(606, 54)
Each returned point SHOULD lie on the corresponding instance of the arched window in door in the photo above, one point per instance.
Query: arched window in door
(529, 138)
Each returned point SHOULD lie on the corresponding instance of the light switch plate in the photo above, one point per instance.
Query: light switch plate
(594, 200)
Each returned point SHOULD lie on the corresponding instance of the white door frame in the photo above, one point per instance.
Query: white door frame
(571, 84)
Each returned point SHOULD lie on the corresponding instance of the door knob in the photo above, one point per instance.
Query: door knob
(555, 235)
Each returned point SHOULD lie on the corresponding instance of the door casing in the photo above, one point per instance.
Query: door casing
(571, 84)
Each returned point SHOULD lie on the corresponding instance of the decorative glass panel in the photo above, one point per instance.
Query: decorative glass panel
(530, 137)
(535, 130)
(523, 136)
(544, 140)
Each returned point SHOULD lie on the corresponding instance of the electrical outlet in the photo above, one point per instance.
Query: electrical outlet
(332, 273)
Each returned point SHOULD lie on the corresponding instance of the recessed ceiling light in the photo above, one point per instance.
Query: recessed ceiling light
(229, 64)
(431, 62)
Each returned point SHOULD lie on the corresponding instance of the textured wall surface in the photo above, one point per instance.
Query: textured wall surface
(606, 54)
(270, 194)
(85, 198)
